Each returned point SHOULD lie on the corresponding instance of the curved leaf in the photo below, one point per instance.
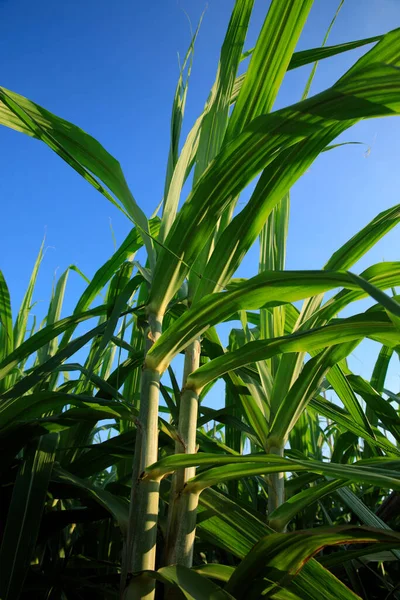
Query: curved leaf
(345, 330)
(280, 556)
(80, 150)
(270, 287)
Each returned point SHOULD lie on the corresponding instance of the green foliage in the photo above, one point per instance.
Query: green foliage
(264, 494)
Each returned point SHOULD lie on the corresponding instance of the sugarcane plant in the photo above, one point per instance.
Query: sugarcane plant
(252, 500)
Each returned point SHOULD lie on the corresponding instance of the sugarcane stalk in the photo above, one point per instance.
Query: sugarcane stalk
(143, 512)
(276, 483)
(181, 526)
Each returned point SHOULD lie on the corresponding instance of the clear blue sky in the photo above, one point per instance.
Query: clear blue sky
(111, 68)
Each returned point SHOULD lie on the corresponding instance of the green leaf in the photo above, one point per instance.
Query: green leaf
(101, 456)
(216, 114)
(127, 250)
(376, 472)
(272, 257)
(215, 571)
(26, 304)
(178, 111)
(24, 516)
(53, 314)
(303, 389)
(270, 287)
(373, 553)
(38, 403)
(305, 57)
(365, 514)
(380, 369)
(333, 412)
(120, 299)
(390, 304)
(315, 65)
(6, 326)
(80, 150)
(244, 390)
(118, 507)
(383, 410)
(6, 329)
(291, 163)
(281, 516)
(44, 336)
(192, 585)
(361, 242)
(345, 391)
(43, 370)
(269, 61)
(347, 330)
(381, 275)
(280, 556)
(117, 284)
(235, 529)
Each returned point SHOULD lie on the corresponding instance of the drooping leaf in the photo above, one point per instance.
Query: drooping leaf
(347, 330)
(80, 150)
(268, 288)
(278, 557)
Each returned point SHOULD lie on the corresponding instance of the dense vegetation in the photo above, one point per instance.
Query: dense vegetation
(263, 497)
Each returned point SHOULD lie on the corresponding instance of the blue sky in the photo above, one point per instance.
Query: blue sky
(111, 68)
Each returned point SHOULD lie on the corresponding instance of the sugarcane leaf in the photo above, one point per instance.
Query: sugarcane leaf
(280, 175)
(365, 514)
(178, 111)
(377, 472)
(362, 241)
(281, 516)
(43, 370)
(215, 571)
(390, 304)
(235, 529)
(349, 330)
(23, 313)
(303, 389)
(80, 150)
(6, 325)
(270, 287)
(192, 585)
(38, 403)
(279, 557)
(331, 411)
(269, 62)
(383, 410)
(44, 336)
(101, 456)
(54, 313)
(119, 303)
(126, 251)
(380, 369)
(118, 507)
(25, 513)
(6, 328)
(315, 65)
(381, 276)
(305, 57)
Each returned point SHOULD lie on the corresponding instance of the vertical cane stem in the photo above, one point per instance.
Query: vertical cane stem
(276, 486)
(182, 508)
(143, 512)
